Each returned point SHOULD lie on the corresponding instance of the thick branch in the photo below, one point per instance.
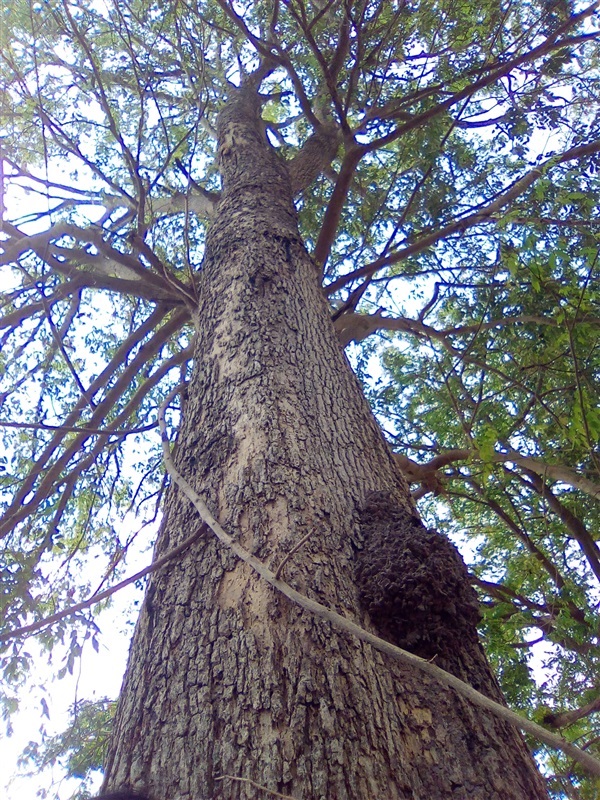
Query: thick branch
(316, 155)
(202, 204)
(419, 472)
(555, 471)
(335, 206)
(109, 270)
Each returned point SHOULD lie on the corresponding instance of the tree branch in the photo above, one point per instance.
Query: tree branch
(18, 509)
(566, 718)
(26, 630)
(42, 426)
(418, 472)
(111, 269)
(574, 525)
(499, 70)
(333, 213)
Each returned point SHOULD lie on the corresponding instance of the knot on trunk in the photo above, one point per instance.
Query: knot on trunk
(413, 582)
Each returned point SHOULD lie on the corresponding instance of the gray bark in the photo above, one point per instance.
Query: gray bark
(226, 678)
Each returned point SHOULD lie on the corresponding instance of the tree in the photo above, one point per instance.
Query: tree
(228, 166)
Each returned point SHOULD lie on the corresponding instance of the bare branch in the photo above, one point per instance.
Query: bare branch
(63, 290)
(107, 269)
(202, 204)
(335, 206)
(566, 718)
(418, 472)
(42, 426)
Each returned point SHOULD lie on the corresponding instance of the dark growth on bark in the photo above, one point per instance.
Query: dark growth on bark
(413, 582)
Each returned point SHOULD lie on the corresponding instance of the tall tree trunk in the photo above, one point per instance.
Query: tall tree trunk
(225, 677)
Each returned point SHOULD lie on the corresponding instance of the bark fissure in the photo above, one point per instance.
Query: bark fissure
(226, 678)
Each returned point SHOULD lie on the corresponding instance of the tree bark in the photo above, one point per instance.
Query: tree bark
(226, 678)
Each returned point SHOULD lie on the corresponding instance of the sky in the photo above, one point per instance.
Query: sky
(96, 675)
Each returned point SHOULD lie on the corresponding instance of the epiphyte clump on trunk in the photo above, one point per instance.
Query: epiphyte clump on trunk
(413, 582)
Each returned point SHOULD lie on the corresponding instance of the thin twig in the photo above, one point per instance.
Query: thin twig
(42, 426)
(294, 549)
(97, 598)
(61, 346)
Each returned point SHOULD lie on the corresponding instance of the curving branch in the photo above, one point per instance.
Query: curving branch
(14, 318)
(352, 326)
(566, 718)
(108, 269)
(573, 524)
(427, 472)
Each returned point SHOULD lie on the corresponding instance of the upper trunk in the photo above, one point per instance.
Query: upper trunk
(225, 677)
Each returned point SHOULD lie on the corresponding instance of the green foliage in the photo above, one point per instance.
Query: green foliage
(466, 237)
(516, 371)
(81, 748)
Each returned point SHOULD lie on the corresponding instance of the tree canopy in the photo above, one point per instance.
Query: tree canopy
(445, 158)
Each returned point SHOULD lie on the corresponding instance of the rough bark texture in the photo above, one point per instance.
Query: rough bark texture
(416, 589)
(226, 678)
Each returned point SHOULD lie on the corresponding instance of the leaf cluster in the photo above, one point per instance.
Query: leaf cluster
(457, 232)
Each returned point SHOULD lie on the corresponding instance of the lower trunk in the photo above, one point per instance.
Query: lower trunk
(226, 679)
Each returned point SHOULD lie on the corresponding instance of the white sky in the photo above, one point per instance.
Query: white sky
(98, 674)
